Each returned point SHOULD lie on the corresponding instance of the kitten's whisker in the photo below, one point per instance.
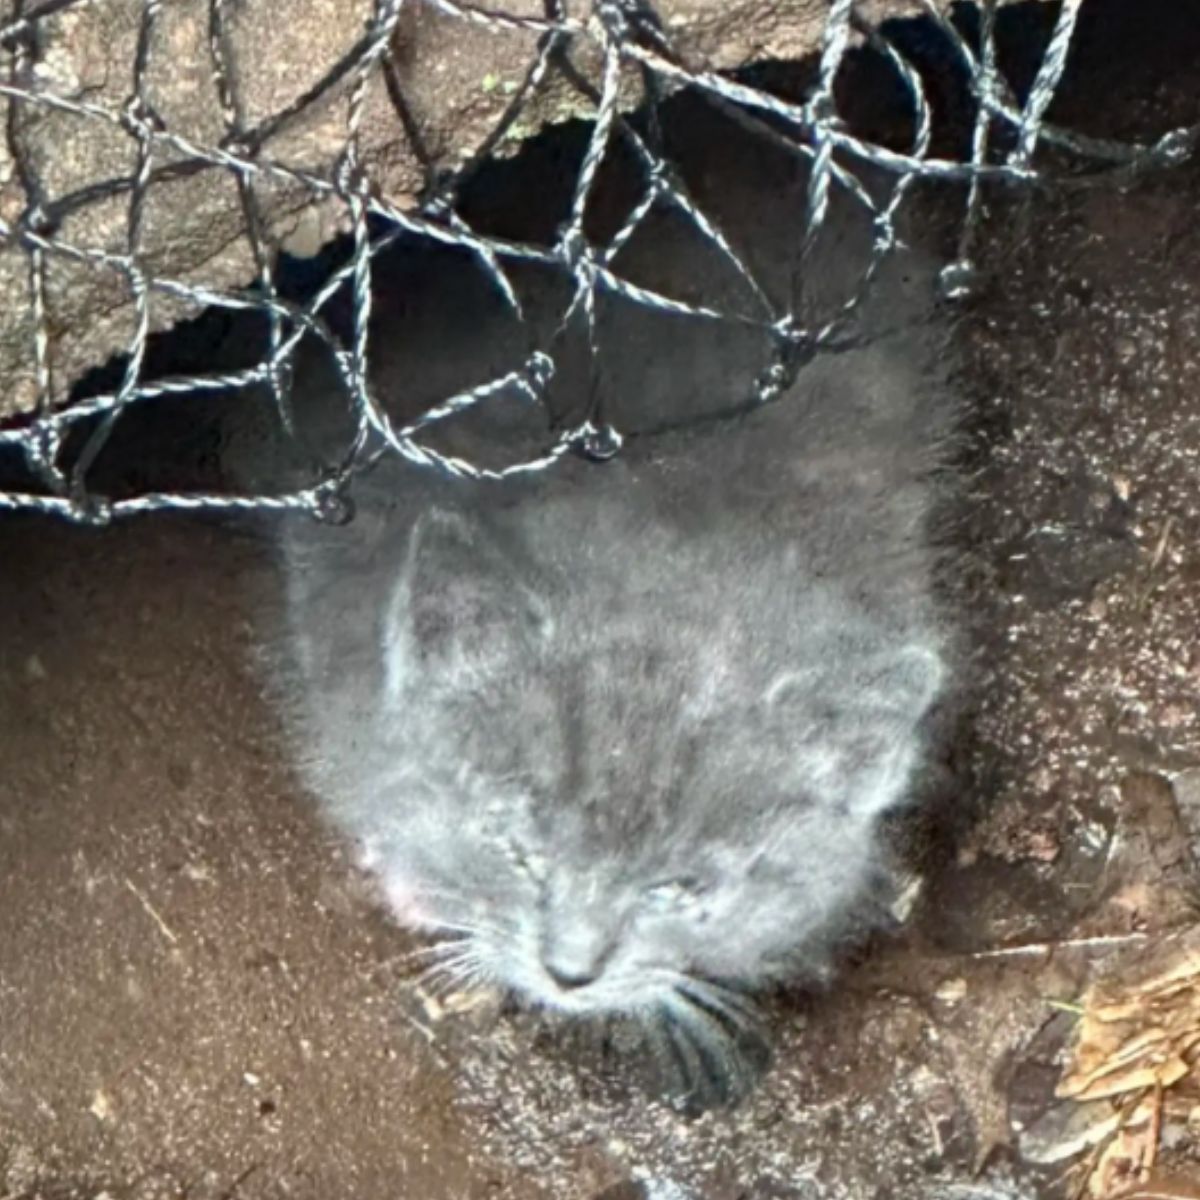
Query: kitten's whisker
(451, 956)
(718, 1000)
(450, 963)
(445, 946)
(450, 895)
(680, 1053)
(460, 927)
(445, 979)
(738, 1009)
(464, 970)
(464, 979)
(457, 952)
(475, 976)
(713, 1047)
(467, 928)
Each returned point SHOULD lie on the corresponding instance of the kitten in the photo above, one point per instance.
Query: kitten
(622, 733)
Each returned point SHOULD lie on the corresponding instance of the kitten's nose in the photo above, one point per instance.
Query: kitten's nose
(571, 977)
(576, 940)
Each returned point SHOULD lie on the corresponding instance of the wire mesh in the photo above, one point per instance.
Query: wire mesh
(632, 52)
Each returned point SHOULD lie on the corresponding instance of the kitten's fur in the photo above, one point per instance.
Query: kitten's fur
(625, 732)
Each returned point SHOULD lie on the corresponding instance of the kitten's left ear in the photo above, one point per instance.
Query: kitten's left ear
(463, 597)
(908, 680)
(904, 682)
(854, 735)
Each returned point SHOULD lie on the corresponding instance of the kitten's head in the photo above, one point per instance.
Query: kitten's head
(642, 794)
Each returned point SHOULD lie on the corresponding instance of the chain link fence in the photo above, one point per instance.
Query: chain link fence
(618, 56)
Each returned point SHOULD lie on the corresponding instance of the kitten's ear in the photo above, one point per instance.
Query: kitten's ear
(854, 735)
(907, 681)
(904, 683)
(463, 598)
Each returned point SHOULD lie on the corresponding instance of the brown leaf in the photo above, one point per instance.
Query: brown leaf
(1162, 1187)
(1132, 1079)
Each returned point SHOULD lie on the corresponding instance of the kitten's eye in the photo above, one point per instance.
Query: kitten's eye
(527, 863)
(675, 893)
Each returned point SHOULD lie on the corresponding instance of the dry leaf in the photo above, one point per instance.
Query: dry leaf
(1162, 1187)
(1137, 1046)
(1162, 1075)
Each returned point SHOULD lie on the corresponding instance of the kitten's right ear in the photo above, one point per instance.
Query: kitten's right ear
(462, 599)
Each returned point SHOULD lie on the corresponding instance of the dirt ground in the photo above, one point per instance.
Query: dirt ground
(199, 998)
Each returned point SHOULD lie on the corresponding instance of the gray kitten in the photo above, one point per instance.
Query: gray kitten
(623, 733)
